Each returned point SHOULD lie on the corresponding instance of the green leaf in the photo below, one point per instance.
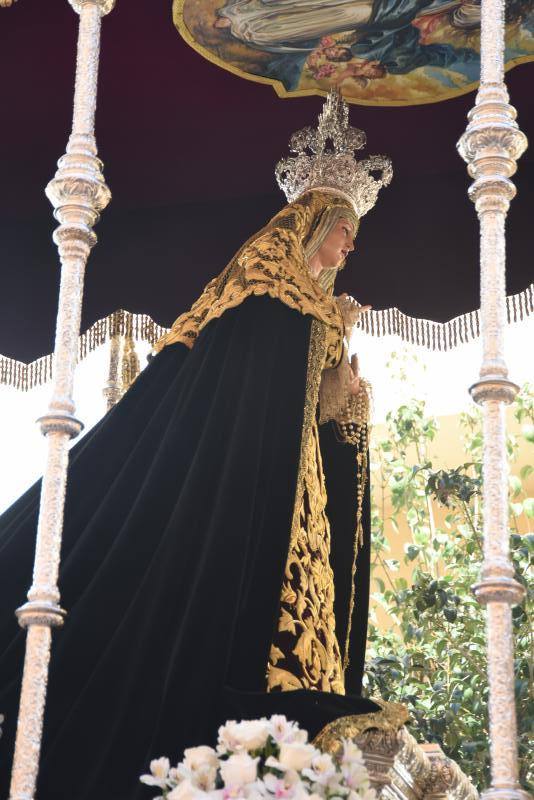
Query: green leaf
(528, 507)
(515, 485)
(380, 584)
(526, 471)
(411, 551)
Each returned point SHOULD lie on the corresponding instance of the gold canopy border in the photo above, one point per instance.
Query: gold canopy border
(281, 91)
(441, 336)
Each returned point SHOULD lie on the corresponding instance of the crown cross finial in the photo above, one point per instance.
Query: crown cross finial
(324, 157)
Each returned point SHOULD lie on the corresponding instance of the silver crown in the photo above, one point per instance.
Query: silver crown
(324, 158)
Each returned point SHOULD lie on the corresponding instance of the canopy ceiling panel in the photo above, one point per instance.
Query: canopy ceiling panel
(378, 52)
(189, 151)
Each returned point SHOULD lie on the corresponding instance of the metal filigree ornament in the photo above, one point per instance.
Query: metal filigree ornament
(324, 158)
(491, 145)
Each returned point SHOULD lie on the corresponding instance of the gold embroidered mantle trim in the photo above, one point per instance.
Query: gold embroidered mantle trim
(314, 656)
(271, 263)
(305, 651)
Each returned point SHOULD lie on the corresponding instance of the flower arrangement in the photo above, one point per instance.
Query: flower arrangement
(265, 759)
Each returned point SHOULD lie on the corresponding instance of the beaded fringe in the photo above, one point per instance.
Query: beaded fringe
(388, 322)
(441, 335)
(139, 327)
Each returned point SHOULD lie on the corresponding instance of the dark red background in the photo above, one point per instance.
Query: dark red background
(189, 151)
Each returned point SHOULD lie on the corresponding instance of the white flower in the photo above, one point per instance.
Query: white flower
(281, 787)
(368, 794)
(200, 757)
(239, 770)
(159, 768)
(287, 786)
(301, 793)
(204, 778)
(298, 771)
(351, 752)
(246, 735)
(256, 791)
(355, 776)
(296, 755)
(187, 791)
(321, 770)
(283, 731)
(293, 755)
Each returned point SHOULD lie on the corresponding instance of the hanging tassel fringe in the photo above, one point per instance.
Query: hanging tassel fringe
(139, 327)
(440, 336)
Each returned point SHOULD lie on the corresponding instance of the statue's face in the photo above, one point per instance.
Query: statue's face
(337, 245)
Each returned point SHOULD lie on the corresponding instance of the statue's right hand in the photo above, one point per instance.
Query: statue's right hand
(350, 310)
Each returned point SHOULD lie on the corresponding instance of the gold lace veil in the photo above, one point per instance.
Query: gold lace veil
(275, 262)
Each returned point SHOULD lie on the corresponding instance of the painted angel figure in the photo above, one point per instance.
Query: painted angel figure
(381, 32)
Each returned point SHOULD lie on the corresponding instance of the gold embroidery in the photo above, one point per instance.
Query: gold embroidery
(389, 719)
(305, 651)
(271, 262)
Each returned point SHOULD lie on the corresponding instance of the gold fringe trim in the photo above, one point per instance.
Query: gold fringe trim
(139, 327)
(441, 336)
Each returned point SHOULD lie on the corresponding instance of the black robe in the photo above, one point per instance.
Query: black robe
(177, 521)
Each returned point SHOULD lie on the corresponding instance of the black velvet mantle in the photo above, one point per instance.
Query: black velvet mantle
(177, 522)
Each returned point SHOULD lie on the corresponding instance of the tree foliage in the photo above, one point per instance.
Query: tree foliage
(432, 656)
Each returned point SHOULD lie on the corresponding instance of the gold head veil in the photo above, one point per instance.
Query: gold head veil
(274, 262)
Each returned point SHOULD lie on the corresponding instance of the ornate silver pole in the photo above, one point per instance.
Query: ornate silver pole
(491, 145)
(78, 193)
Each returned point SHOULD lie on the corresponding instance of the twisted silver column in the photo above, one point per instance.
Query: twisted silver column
(491, 145)
(78, 193)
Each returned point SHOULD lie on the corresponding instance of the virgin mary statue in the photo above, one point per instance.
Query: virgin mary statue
(216, 538)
